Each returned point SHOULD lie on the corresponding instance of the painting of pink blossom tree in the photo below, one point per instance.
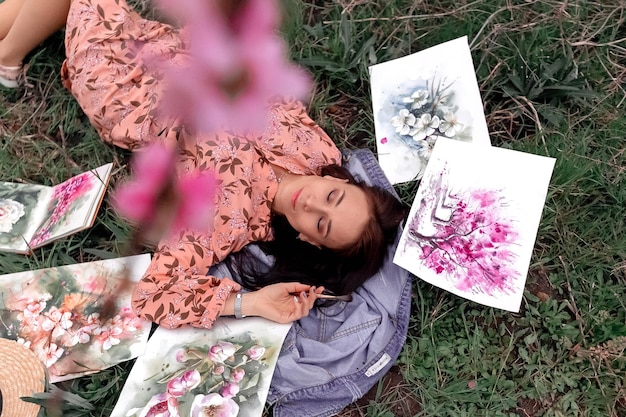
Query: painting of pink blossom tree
(474, 220)
(32, 215)
(225, 371)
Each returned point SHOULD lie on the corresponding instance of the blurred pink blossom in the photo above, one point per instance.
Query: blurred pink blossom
(195, 209)
(161, 203)
(238, 64)
(152, 167)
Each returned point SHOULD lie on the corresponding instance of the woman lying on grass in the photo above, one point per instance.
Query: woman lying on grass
(282, 187)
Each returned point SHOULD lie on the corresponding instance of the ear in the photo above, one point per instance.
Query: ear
(306, 239)
(330, 177)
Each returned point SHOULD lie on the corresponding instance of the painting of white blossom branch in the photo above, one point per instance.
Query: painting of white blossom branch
(421, 97)
(474, 221)
(225, 371)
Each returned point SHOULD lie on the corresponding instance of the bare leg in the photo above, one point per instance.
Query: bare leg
(8, 11)
(35, 21)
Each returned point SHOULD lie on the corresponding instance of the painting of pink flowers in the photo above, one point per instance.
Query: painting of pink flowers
(58, 314)
(32, 215)
(71, 204)
(420, 98)
(225, 371)
(474, 221)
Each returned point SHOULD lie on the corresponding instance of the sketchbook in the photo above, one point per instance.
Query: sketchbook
(474, 221)
(76, 318)
(224, 371)
(420, 98)
(33, 215)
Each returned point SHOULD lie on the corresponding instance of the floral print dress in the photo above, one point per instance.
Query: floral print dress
(120, 97)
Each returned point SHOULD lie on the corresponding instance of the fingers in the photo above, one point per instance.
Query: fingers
(304, 303)
(310, 297)
(295, 287)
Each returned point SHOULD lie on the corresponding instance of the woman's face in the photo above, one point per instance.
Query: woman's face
(327, 211)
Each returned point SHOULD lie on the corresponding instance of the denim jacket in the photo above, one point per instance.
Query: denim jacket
(333, 356)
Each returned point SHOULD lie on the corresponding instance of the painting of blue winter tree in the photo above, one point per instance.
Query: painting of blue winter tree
(421, 97)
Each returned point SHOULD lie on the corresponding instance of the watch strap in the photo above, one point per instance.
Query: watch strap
(238, 299)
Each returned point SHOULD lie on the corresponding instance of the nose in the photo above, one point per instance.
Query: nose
(311, 205)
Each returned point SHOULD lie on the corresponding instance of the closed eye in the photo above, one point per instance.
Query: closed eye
(336, 202)
(323, 226)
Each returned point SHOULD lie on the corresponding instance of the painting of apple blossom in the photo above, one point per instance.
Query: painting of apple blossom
(76, 318)
(420, 98)
(32, 215)
(225, 371)
(474, 221)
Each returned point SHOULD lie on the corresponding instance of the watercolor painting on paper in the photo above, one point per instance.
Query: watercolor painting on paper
(33, 215)
(225, 371)
(59, 314)
(420, 98)
(474, 221)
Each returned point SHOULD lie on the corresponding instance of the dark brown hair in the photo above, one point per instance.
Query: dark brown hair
(340, 271)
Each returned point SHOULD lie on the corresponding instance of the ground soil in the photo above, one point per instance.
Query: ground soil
(394, 391)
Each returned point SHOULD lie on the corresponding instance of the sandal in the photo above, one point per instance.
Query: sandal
(10, 76)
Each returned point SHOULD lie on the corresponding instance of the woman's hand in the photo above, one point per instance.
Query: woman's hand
(283, 303)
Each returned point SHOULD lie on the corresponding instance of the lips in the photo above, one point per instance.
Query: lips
(294, 199)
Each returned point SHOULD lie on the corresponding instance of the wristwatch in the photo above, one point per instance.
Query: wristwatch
(238, 314)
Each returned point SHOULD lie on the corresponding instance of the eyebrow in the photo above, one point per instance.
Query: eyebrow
(330, 222)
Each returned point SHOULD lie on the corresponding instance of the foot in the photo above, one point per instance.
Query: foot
(10, 76)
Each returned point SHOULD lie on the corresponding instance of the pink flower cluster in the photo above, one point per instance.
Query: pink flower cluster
(238, 64)
(211, 405)
(160, 202)
(64, 196)
(225, 373)
(475, 245)
(55, 331)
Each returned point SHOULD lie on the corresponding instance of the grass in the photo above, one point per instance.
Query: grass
(551, 75)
